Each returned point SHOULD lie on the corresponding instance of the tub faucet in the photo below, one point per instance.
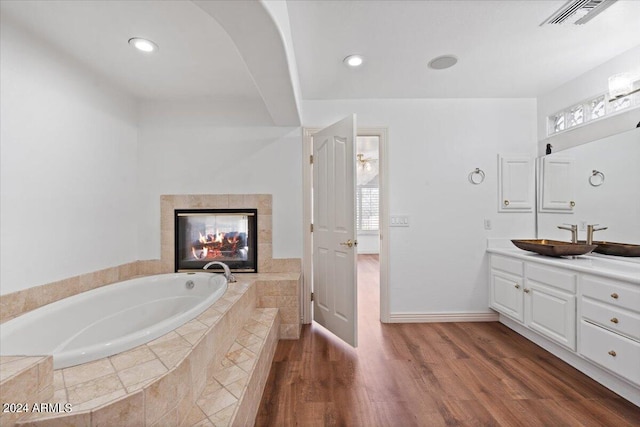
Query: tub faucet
(590, 229)
(574, 231)
(227, 273)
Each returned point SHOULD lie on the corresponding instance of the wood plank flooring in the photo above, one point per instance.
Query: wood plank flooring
(437, 374)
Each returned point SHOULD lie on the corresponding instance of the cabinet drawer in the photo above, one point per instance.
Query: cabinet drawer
(616, 319)
(508, 265)
(610, 350)
(615, 293)
(561, 279)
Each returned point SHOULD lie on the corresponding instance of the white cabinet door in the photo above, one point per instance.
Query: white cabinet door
(556, 184)
(515, 183)
(506, 294)
(551, 312)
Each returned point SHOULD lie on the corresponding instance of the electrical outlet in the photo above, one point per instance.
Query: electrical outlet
(487, 224)
(399, 221)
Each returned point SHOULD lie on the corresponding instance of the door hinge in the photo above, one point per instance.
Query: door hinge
(311, 228)
(311, 159)
(311, 296)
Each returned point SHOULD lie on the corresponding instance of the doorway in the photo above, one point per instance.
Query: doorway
(368, 227)
(380, 135)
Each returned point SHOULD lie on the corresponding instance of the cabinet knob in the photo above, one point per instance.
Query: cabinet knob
(612, 353)
(614, 295)
(517, 286)
(506, 203)
(527, 290)
(614, 320)
(572, 203)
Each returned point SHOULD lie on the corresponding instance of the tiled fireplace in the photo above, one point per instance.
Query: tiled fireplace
(262, 203)
(226, 235)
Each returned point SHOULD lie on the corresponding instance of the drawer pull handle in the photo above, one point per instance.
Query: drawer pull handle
(614, 295)
(517, 286)
(614, 320)
(612, 353)
(527, 290)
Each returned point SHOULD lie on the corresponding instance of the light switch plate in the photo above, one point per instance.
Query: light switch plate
(399, 221)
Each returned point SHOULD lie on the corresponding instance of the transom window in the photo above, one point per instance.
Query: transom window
(589, 110)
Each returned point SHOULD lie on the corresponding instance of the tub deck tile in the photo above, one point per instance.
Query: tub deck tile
(130, 358)
(170, 348)
(86, 372)
(217, 401)
(95, 392)
(141, 373)
(225, 399)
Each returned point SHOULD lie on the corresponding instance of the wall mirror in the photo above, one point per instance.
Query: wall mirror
(593, 183)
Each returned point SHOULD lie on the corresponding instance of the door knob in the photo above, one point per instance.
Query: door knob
(349, 243)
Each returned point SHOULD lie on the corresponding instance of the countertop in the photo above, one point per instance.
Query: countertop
(591, 264)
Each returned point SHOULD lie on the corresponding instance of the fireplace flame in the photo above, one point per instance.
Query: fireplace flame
(218, 245)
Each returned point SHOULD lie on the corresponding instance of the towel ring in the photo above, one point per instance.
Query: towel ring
(476, 177)
(596, 179)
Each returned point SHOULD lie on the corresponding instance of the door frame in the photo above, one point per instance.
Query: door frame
(307, 181)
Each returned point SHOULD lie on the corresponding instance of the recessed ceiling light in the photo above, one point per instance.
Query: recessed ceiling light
(353, 60)
(143, 44)
(443, 62)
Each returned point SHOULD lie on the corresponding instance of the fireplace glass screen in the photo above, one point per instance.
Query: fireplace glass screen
(226, 235)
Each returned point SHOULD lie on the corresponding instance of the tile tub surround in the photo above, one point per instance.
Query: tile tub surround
(24, 379)
(143, 376)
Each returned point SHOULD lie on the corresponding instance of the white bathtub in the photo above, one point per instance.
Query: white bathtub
(110, 319)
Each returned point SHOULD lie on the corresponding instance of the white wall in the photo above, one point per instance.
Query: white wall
(438, 264)
(585, 86)
(68, 162)
(187, 149)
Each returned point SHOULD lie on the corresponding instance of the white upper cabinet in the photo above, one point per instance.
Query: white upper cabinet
(515, 183)
(556, 184)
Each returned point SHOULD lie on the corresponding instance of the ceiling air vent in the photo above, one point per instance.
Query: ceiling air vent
(578, 12)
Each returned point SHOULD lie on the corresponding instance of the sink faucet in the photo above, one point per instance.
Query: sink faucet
(590, 229)
(574, 231)
(227, 273)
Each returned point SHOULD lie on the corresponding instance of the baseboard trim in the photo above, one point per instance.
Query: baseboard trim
(442, 317)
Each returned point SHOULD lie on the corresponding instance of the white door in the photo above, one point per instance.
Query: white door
(334, 234)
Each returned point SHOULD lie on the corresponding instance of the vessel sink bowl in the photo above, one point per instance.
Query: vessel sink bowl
(555, 248)
(618, 249)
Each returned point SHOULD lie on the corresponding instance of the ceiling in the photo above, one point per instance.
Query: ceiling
(502, 49)
(211, 50)
(196, 60)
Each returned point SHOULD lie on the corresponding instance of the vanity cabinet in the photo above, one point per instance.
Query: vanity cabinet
(610, 325)
(585, 311)
(540, 297)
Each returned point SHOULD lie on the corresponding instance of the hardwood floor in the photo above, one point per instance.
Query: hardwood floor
(476, 374)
